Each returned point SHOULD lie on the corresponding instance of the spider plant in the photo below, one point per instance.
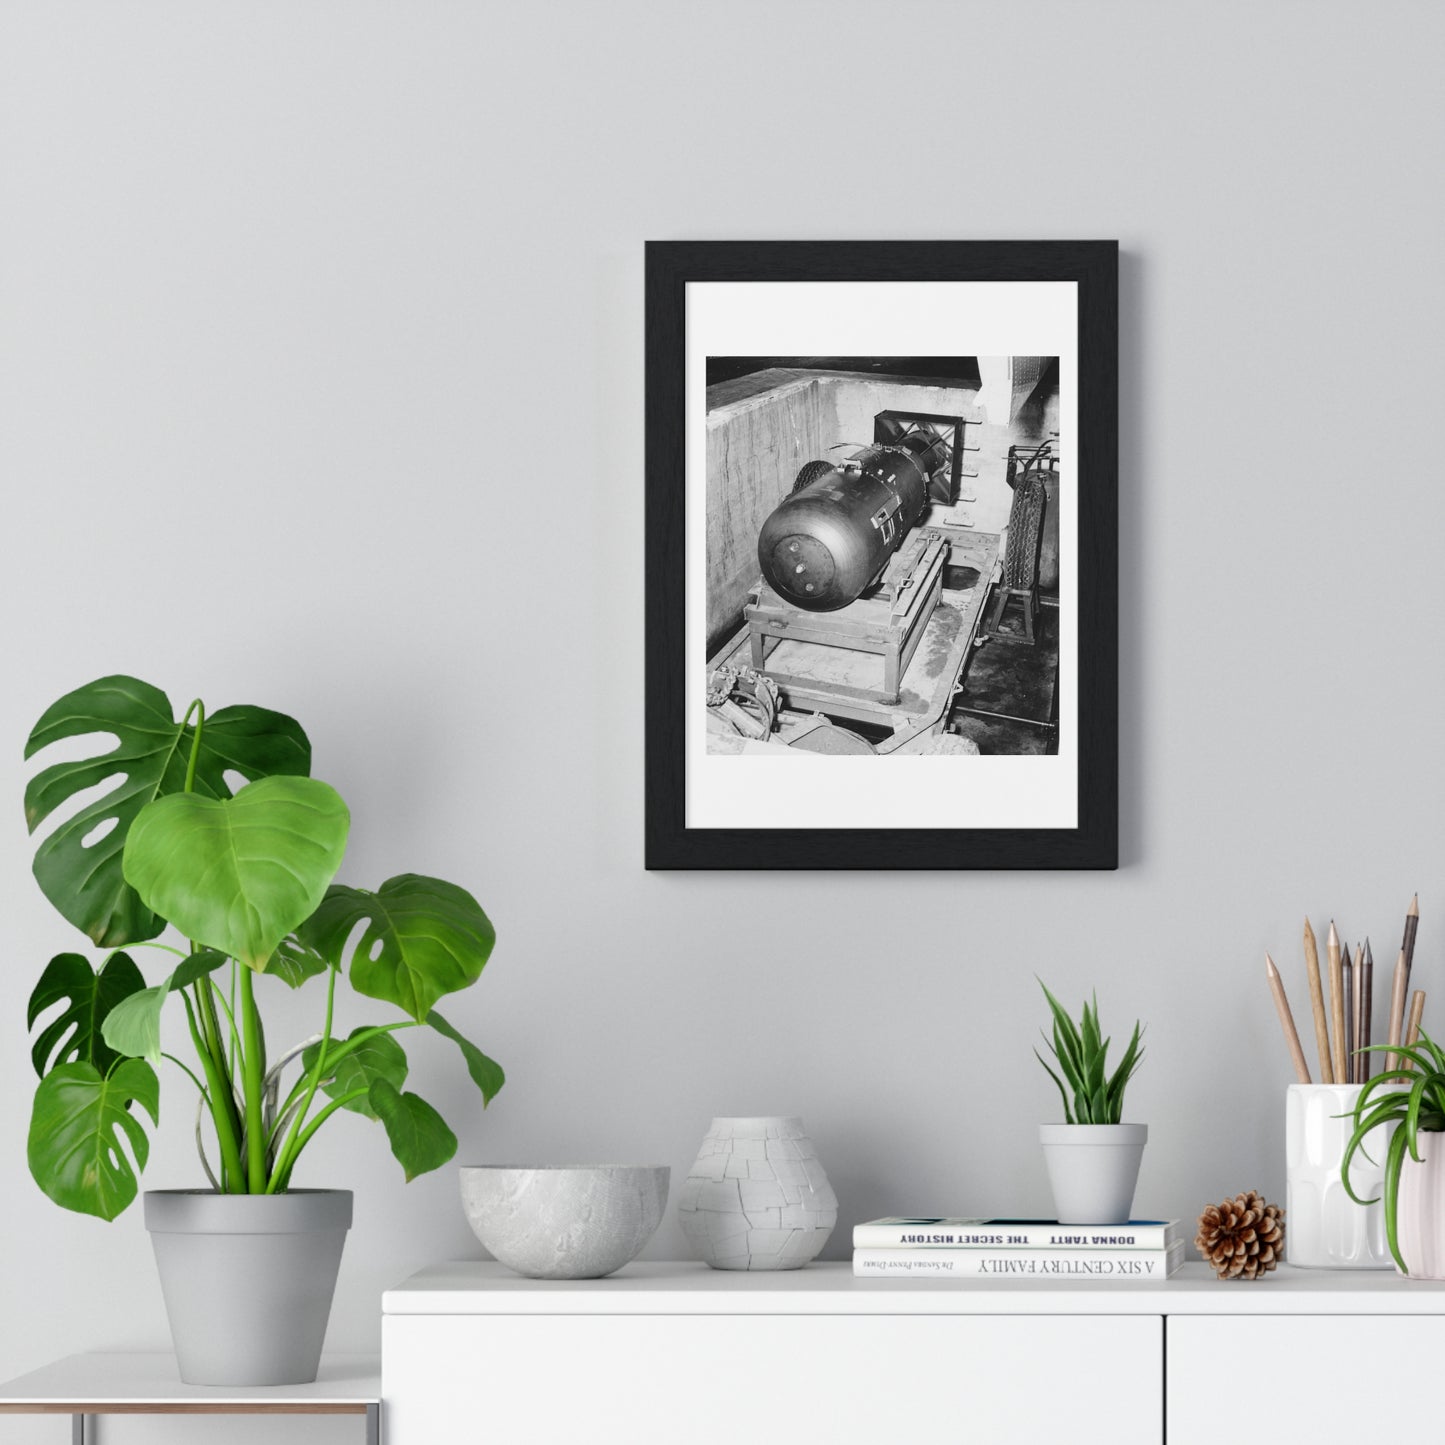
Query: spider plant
(1081, 1052)
(1418, 1109)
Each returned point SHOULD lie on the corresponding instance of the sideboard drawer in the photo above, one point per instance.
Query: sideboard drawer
(718, 1379)
(1297, 1377)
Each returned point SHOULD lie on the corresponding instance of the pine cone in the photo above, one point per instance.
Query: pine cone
(1242, 1237)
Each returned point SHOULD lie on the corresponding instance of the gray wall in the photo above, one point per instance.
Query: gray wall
(277, 285)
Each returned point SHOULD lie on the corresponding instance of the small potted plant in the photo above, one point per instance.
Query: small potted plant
(1408, 1102)
(245, 874)
(1093, 1158)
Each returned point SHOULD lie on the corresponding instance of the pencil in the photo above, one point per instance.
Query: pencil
(1407, 945)
(1317, 1003)
(1347, 993)
(1417, 1012)
(1397, 1012)
(1286, 1021)
(1337, 1005)
(1366, 972)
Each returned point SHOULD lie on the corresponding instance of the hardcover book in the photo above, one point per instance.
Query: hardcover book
(1119, 1264)
(939, 1233)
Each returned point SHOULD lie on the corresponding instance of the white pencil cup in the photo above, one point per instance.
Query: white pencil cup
(1324, 1227)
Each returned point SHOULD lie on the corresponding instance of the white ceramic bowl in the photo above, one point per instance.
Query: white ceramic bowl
(564, 1222)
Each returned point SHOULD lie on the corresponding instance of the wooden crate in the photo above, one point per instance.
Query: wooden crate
(889, 624)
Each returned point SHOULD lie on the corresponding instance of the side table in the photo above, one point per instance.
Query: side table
(123, 1384)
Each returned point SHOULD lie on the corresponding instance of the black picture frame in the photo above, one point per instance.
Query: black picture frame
(1093, 843)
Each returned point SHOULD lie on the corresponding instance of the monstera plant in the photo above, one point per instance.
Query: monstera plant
(212, 825)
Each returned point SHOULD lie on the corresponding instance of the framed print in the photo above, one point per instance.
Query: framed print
(882, 554)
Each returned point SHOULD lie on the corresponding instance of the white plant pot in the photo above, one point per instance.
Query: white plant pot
(1324, 1227)
(1093, 1169)
(1420, 1219)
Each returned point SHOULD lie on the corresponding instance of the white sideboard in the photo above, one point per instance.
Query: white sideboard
(678, 1352)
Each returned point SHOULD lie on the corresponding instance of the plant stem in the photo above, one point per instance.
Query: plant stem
(253, 1074)
(164, 947)
(223, 1106)
(314, 1125)
(317, 1073)
(198, 709)
(215, 1050)
(230, 1013)
(189, 1074)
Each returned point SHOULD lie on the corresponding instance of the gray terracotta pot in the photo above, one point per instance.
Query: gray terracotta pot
(1093, 1169)
(248, 1280)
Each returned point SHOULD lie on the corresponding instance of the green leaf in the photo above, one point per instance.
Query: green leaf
(1412, 1116)
(376, 1057)
(197, 965)
(133, 1027)
(423, 938)
(75, 1036)
(1063, 1094)
(1394, 1161)
(79, 1127)
(152, 749)
(486, 1073)
(293, 962)
(1064, 1025)
(419, 1135)
(239, 874)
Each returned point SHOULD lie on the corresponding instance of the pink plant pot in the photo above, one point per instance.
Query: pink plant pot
(1421, 1213)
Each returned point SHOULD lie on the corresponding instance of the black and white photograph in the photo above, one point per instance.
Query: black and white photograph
(883, 555)
(881, 518)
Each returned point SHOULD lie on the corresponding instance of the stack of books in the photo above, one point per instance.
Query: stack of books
(1016, 1249)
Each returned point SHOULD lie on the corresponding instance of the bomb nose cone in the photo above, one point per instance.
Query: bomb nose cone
(800, 568)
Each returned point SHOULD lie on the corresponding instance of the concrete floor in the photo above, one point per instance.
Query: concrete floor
(1015, 679)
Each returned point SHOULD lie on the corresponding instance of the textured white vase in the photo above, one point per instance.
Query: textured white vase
(757, 1197)
(1420, 1217)
(1324, 1227)
(1093, 1169)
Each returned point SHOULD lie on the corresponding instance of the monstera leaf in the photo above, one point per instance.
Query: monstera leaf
(75, 1035)
(379, 1057)
(418, 1135)
(239, 874)
(486, 1073)
(293, 962)
(86, 883)
(78, 1127)
(133, 1027)
(423, 938)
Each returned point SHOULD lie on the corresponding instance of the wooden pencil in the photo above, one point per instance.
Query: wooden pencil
(1366, 973)
(1397, 1012)
(1286, 1021)
(1407, 945)
(1317, 1003)
(1337, 1005)
(1412, 1032)
(1347, 992)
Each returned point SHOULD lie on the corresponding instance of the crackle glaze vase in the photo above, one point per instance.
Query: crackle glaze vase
(756, 1196)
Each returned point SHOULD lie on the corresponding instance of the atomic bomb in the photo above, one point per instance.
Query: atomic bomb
(832, 536)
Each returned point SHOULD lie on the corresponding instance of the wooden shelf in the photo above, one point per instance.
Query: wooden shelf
(149, 1384)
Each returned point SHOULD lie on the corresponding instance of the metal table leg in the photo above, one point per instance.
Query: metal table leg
(78, 1431)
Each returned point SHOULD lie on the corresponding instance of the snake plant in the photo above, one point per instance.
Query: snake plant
(1414, 1110)
(1081, 1052)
